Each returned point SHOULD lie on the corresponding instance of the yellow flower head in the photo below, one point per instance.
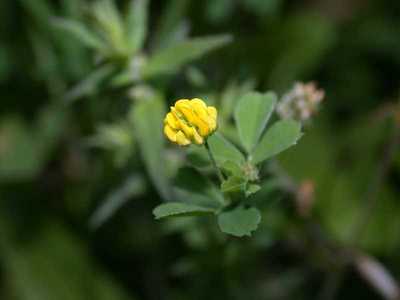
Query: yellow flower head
(190, 121)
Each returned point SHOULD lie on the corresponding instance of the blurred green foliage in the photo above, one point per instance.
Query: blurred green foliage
(83, 162)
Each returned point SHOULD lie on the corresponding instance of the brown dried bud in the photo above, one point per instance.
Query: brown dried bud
(305, 198)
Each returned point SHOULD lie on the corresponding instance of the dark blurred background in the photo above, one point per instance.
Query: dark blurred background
(76, 199)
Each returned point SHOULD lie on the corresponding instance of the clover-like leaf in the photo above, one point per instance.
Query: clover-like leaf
(176, 209)
(233, 184)
(278, 138)
(223, 150)
(240, 221)
(251, 115)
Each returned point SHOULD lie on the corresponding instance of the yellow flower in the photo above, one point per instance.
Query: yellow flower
(190, 121)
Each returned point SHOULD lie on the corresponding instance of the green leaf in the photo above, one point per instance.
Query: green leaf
(21, 156)
(233, 184)
(26, 148)
(239, 221)
(232, 168)
(252, 189)
(192, 187)
(278, 138)
(197, 156)
(172, 26)
(110, 24)
(90, 84)
(230, 96)
(224, 150)
(81, 32)
(252, 114)
(175, 209)
(169, 60)
(147, 117)
(62, 261)
(40, 11)
(136, 24)
(133, 186)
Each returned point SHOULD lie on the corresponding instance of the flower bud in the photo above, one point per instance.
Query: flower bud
(190, 121)
(301, 102)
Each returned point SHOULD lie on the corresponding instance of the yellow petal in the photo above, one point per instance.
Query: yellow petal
(203, 128)
(197, 138)
(185, 128)
(171, 120)
(187, 113)
(170, 133)
(212, 111)
(181, 139)
(182, 102)
(182, 105)
(198, 102)
(199, 108)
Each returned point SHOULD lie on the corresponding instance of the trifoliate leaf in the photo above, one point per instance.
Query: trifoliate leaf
(251, 115)
(279, 137)
(239, 221)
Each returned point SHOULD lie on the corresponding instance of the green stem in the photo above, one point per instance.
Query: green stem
(214, 163)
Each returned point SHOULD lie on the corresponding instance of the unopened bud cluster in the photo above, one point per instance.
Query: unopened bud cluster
(301, 102)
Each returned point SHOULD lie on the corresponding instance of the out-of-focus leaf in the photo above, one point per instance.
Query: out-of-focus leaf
(171, 23)
(169, 60)
(230, 96)
(40, 10)
(50, 124)
(136, 24)
(147, 117)
(196, 77)
(262, 7)
(5, 63)
(90, 84)
(223, 150)
(132, 187)
(303, 42)
(20, 155)
(25, 149)
(117, 138)
(110, 24)
(55, 265)
(46, 60)
(219, 11)
(239, 221)
(252, 114)
(233, 184)
(176, 209)
(278, 138)
(81, 32)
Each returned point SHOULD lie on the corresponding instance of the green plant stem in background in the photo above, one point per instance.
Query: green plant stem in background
(214, 163)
